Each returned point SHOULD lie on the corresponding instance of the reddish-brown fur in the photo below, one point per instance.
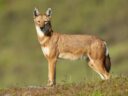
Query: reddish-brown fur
(56, 45)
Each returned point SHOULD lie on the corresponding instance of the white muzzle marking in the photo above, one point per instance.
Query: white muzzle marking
(39, 31)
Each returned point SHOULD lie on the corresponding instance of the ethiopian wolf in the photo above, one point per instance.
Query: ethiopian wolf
(56, 45)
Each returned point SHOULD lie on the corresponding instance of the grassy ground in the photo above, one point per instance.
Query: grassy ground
(117, 86)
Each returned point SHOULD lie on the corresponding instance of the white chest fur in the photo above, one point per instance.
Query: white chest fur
(45, 50)
(39, 31)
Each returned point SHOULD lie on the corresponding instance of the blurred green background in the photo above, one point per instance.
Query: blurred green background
(21, 60)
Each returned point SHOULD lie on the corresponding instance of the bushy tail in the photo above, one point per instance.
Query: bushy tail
(107, 61)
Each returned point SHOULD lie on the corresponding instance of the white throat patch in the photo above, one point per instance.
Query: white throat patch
(45, 50)
(39, 31)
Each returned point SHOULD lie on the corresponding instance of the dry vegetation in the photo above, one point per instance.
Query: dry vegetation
(114, 87)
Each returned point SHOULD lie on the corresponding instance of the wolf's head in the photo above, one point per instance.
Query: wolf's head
(42, 21)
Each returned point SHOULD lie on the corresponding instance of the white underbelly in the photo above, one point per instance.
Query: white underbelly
(71, 56)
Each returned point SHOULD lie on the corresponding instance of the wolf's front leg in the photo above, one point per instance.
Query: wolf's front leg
(52, 71)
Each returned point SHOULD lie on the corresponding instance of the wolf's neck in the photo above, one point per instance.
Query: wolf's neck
(43, 36)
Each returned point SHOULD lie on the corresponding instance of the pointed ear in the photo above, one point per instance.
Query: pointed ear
(36, 12)
(49, 12)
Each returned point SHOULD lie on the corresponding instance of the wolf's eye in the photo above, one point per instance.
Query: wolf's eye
(38, 21)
